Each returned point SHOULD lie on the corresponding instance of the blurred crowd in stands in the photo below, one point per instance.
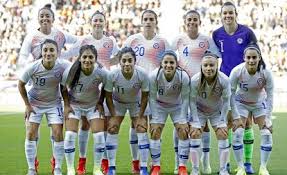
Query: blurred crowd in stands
(267, 18)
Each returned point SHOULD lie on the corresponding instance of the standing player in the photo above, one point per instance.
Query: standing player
(149, 47)
(127, 89)
(84, 79)
(106, 47)
(254, 82)
(169, 95)
(231, 39)
(209, 100)
(44, 98)
(33, 41)
(191, 46)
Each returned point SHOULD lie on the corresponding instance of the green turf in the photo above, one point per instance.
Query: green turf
(12, 156)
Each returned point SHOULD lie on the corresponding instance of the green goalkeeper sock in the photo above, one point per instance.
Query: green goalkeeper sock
(248, 140)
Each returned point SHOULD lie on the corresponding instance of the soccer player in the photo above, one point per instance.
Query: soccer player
(191, 46)
(252, 90)
(149, 47)
(83, 81)
(32, 46)
(44, 98)
(106, 47)
(209, 100)
(231, 39)
(127, 89)
(169, 95)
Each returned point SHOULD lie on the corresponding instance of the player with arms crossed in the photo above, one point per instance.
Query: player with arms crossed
(255, 96)
(231, 39)
(191, 46)
(209, 100)
(44, 98)
(106, 47)
(127, 89)
(83, 80)
(149, 47)
(169, 95)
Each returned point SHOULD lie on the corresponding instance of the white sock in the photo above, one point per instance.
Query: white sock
(134, 144)
(205, 139)
(195, 152)
(83, 143)
(155, 151)
(143, 148)
(223, 149)
(69, 146)
(58, 153)
(99, 148)
(183, 151)
(30, 151)
(111, 148)
(266, 146)
(175, 146)
(52, 140)
(105, 153)
(237, 144)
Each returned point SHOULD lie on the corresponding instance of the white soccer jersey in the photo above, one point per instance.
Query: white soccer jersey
(173, 94)
(45, 89)
(252, 89)
(106, 47)
(33, 41)
(191, 51)
(148, 52)
(210, 103)
(127, 91)
(86, 91)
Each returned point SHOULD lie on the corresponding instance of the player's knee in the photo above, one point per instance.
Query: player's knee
(182, 132)
(85, 125)
(32, 134)
(141, 128)
(221, 135)
(155, 132)
(58, 135)
(206, 128)
(238, 136)
(114, 129)
(266, 137)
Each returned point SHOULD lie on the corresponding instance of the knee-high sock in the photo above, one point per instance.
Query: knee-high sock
(99, 148)
(134, 144)
(175, 146)
(223, 149)
(248, 140)
(205, 148)
(30, 152)
(69, 146)
(266, 146)
(195, 152)
(111, 148)
(58, 153)
(83, 143)
(238, 146)
(105, 153)
(143, 148)
(183, 151)
(155, 151)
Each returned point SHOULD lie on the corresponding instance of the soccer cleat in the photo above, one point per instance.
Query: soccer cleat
(105, 165)
(143, 171)
(182, 170)
(263, 171)
(135, 167)
(248, 168)
(32, 172)
(36, 165)
(228, 167)
(195, 172)
(52, 163)
(240, 171)
(175, 171)
(57, 171)
(97, 171)
(205, 169)
(81, 169)
(71, 171)
(112, 170)
(223, 172)
(155, 170)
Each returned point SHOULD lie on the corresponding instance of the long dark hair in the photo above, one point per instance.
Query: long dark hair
(75, 71)
(254, 46)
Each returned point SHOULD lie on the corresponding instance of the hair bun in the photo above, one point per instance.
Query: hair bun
(48, 5)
